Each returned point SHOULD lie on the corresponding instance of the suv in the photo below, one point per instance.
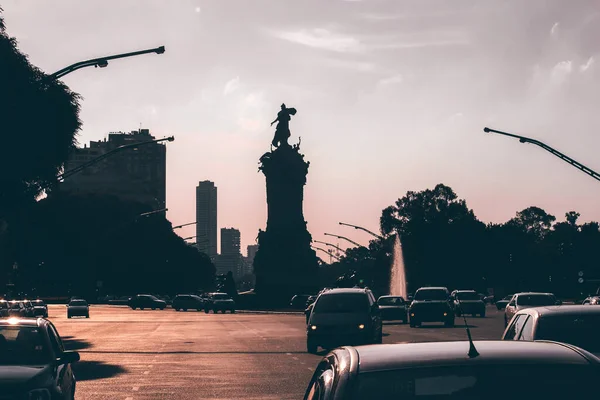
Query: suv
(467, 302)
(185, 301)
(343, 317)
(219, 302)
(431, 304)
(142, 301)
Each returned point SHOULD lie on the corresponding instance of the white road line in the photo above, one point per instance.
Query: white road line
(136, 388)
(289, 354)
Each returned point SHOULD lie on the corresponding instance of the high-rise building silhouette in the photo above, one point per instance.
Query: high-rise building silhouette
(251, 251)
(230, 258)
(206, 218)
(136, 174)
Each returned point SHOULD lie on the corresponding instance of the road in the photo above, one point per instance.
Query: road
(131, 355)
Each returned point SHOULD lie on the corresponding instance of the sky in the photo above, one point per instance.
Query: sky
(391, 96)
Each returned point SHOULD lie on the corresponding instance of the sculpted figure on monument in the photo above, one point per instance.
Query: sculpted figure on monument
(282, 131)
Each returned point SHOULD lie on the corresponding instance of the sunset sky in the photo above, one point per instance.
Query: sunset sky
(391, 96)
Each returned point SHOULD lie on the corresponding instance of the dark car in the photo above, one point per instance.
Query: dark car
(4, 308)
(78, 308)
(17, 309)
(298, 302)
(40, 309)
(431, 304)
(343, 317)
(310, 302)
(443, 370)
(393, 308)
(188, 301)
(33, 361)
(577, 325)
(501, 304)
(142, 301)
(219, 302)
(468, 302)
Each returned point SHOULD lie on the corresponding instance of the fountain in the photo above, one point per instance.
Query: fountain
(398, 272)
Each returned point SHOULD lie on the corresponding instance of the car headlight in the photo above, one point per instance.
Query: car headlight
(361, 326)
(39, 394)
(313, 327)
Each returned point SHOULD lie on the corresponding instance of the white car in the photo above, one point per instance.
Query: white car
(521, 301)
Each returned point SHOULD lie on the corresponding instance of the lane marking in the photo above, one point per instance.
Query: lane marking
(289, 354)
(136, 388)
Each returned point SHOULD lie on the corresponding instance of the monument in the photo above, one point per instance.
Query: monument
(284, 264)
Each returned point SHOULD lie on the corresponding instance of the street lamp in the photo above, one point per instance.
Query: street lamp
(102, 61)
(330, 244)
(181, 226)
(83, 166)
(345, 238)
(362, 229)
(153, 212)
(544, 146)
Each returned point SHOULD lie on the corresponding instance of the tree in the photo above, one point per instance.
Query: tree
(534, 221)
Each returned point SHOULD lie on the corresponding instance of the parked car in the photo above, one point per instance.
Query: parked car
(78, 308)
(188, 301)
(344, 317)
(431, 304)
(393, 308)
(17, 309)
(4, 308)
(40, 309)
(501, 304)
(219, 302)
(576, 325)
(521, 301)
(143, 301)
(444, 370)
(33, 361)
(467, 302)
(591, 301)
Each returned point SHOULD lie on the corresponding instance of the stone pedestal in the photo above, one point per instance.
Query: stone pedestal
(285, 264)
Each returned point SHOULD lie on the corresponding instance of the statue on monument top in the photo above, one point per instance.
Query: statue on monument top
(282, 131)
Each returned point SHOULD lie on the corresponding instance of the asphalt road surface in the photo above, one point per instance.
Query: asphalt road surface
(131, 355)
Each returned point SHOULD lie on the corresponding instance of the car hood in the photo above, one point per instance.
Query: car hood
(20, 375)
(331, 319)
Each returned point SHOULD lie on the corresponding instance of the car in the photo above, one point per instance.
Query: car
(40, 309)
(450, 370)
(78, 308)
(219, 302)
(577, 325)
(188, 301)
(393, 308)
(17, 309)
(4, 309)
(142, 301)
(299, 301)
(310, 302)
(524, 300)
(344, 317)
(431, 304)
(29, 307)
(501, 304)
(467, 302)
(591, 301)
(34, 363)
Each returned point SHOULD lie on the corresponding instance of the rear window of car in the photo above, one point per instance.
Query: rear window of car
(342, 303)
(484, 382)
(390, 301)
(467, 296)
(536, 300)
(431, 294)
(78, 303)
(579, 330)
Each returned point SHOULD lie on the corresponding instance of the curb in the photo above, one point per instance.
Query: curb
(269, 312)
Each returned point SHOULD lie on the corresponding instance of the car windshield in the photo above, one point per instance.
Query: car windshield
(78, 303)
(467, 296)
(22, 345)
(485, 382)
(390, 301)
(536, 300)
(220, 296)
(579, 330)
(431, 294)
(341, 303)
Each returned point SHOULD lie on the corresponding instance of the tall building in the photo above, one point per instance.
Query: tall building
(230, 258)
(206, 218)
(249, 261)
(135, 174)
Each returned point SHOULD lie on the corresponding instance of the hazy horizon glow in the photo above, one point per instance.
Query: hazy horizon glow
(391, 96)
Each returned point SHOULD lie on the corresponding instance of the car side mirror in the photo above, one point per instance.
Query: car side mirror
(68, 357)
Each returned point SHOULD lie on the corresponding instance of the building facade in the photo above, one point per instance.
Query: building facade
(135, 174)
(230, 258)
(206, 218)
(249, 261)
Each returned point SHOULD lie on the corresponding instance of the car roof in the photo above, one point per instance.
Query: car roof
(22, 322)
(438, 354)
(530, 293)
(466, 290)
(562, 310)
(433, 287)
(387, 296)
(344, 290)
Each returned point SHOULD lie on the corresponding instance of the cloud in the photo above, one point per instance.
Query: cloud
(554, 30)
(231, 86)
(392, 80)
(587, 65)
(561, 71)
(359, 66)
(322, 39)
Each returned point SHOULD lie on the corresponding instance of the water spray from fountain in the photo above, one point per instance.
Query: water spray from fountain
(398, 271)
